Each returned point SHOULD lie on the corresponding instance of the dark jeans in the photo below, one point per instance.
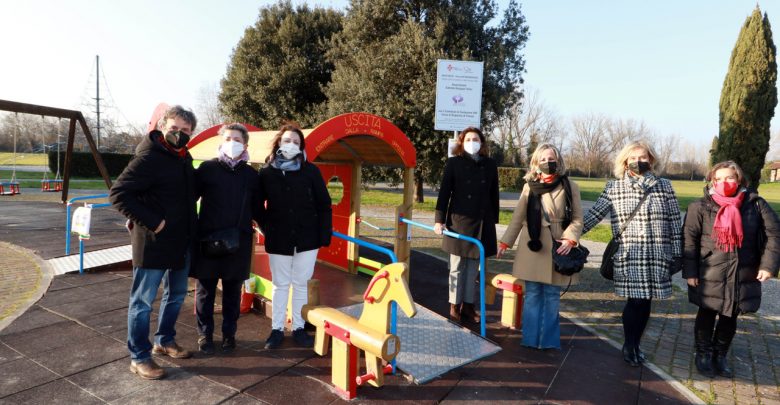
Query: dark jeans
(635, 316)
(725, 329)
(206, 291)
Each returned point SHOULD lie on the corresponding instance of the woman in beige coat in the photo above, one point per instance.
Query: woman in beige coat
(549, 207)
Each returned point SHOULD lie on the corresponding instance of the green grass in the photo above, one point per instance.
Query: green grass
(686, 191)
(24, 159)
(599, 233)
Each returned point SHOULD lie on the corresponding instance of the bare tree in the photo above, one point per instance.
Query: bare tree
(207, 106)
(590, 144)
(622, 131)
(665, 147)
(774, 147)
(527, 121)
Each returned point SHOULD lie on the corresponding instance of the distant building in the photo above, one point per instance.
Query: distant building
(774, 172)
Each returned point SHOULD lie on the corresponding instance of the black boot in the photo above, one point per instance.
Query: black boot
(629, 355)
(703, 358)
(721, 342)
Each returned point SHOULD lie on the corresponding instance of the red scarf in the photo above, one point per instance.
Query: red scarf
(727, 230)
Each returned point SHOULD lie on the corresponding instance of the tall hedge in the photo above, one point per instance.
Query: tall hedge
(511, 178)
(83, 164)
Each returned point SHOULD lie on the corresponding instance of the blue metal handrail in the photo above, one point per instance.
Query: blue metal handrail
(67, 214)
(481, 264)
(369, 245)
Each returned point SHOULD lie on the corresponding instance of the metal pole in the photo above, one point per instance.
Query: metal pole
(97, 97)
(81, 255)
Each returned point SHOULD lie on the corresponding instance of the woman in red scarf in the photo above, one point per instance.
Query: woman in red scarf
(732, 245)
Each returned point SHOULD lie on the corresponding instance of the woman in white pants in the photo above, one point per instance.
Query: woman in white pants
(296, 222)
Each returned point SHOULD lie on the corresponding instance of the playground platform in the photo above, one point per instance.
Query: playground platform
(70, 347)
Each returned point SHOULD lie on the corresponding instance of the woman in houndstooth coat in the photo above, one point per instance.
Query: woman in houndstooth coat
(650, 248)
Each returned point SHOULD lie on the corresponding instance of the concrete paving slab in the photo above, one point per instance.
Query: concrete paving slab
(22, 374)
(86, 354)
(47, 338)
(55, 392)
(110, 381)
(240, 370)
(35, 317)
(7, 354)
(303, 390)
(86, 306)
(243, 399)
(179, 388)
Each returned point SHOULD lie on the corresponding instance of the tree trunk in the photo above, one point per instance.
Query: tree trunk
(418, 189)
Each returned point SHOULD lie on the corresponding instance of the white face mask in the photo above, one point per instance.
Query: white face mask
(232, 149)
(472, 147)
(289, 150)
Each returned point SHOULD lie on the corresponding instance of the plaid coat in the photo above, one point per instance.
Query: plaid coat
(651, 242)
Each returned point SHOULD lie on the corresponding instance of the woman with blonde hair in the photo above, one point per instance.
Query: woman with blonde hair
(645, 208)
(549, 208)
(732, 245)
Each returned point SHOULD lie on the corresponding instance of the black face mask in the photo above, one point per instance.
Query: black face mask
(177, 139)
(549, 167)
(639, 167)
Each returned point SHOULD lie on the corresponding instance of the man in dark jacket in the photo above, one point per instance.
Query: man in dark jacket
(156, 193)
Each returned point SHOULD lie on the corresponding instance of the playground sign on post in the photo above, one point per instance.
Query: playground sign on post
(458, 95)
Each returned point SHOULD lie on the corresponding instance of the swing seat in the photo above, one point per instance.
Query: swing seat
(51, 185)
(9, 188)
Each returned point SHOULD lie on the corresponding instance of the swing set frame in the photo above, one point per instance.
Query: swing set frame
(74, 117)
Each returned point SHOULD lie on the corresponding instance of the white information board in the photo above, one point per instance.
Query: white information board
(81, 221)
(458, 95)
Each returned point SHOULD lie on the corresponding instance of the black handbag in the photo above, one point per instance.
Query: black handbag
(571, 263)
(223, 242)
(607, 268)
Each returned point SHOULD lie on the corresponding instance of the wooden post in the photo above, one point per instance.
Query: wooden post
(403, 246)
(353, 250)
(68, 159)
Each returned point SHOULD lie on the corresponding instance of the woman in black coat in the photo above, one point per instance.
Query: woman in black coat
(296, 222)
(732, 245)
(228, 188)
(468, 205)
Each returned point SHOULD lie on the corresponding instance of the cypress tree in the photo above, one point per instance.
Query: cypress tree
(748, 99)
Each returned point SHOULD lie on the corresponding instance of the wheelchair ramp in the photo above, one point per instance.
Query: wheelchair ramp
(431, 345)
(66, 264)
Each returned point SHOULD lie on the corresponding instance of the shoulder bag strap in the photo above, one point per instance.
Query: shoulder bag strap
(633, 213)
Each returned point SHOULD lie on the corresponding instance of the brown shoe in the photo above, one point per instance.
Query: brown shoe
(468, 313)
(148, 370)
(172, 350)
(454, 312)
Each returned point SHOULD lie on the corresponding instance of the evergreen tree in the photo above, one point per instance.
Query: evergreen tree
(385, 63)
(278, 69)
(748, 99)
(713, 150)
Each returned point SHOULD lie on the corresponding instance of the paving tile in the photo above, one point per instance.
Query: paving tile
(19, 375)
(243, 399)
(178, 388)
(88, 306)
(33, 318)
(87, 354)
(110, 381)
(108, 322)
(48, 337)
(56, 298)
(90, 278)
(240, 370)
(7, 354)
(55, 392)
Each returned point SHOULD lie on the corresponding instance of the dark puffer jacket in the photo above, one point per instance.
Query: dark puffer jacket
(297, 215)
(158, 185)
(727, 280)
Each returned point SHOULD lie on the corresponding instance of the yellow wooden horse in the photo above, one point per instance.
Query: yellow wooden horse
(370, 333)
